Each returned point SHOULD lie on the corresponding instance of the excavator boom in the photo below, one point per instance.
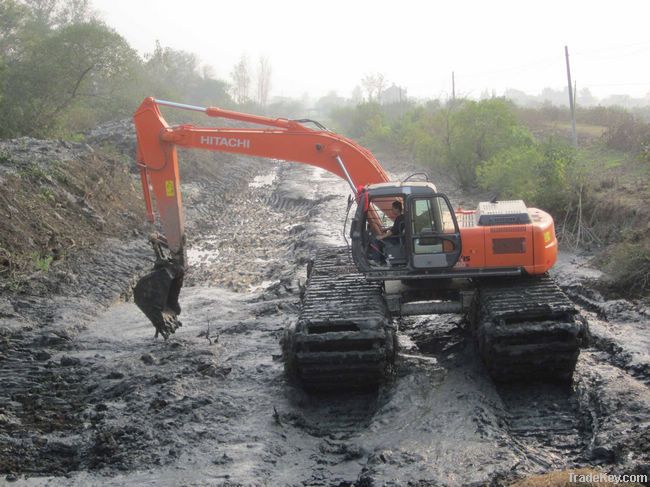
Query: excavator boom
(280, 139)
(157, 293)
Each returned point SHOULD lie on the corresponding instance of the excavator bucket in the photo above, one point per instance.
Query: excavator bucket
(156, 294)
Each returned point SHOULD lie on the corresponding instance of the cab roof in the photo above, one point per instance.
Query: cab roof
(416, 188)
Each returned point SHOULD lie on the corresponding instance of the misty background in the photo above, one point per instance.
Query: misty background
(500, 47)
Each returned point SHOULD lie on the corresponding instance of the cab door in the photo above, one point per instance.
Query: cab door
(434, 233)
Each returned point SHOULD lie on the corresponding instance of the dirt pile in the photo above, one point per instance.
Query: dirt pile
(59, 199)
(117, 137)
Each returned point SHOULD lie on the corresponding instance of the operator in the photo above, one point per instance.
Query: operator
(380, 235)
(398, 224)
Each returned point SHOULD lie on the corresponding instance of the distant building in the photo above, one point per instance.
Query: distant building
(393, 94)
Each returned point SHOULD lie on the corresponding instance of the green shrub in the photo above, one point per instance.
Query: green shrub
(42, 263)
(535, 173)
(628, 267)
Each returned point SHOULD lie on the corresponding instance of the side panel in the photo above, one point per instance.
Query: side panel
(509, 246)
(473, 254)
(544, 242)
(532, 247)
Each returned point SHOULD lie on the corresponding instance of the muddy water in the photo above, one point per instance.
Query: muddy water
(113, 406)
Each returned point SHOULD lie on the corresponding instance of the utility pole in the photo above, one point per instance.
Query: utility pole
(453, 86)
(572, 104)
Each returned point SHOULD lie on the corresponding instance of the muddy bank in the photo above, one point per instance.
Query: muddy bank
(71, 246)
(106, 404)
(59, 199)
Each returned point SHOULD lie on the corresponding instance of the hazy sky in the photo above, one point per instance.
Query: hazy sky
(318, 46)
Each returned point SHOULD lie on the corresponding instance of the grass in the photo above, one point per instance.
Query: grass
(48, 194)
(42, 263)
(4, 157)
(629, 267)
(33, 172)
(581, 128)
(74, 137)
(598, 158)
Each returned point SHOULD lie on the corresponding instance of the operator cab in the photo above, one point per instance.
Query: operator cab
(428, 242)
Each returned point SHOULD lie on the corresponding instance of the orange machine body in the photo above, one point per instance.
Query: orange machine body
(531, 247)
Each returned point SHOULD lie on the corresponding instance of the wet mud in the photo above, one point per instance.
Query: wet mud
(90, 398)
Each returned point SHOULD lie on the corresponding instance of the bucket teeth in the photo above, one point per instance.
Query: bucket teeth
(156, 294)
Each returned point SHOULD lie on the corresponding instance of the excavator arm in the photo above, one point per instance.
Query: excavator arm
(157, 292)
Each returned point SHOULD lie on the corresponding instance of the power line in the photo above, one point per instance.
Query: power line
(647, 83)
(550, 60)
(541, 62)
(610, 48)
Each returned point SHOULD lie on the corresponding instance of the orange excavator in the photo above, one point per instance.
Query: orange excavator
(409, 253)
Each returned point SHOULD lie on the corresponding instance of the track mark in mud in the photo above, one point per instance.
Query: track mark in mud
(623, 344)
(618, 327)
(255, 238)
(437, 335)
(334, 417)
(546, 423)
(619, 407)
(287, 202)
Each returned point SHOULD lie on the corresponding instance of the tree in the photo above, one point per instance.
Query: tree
(357, 95)
(49, 14)
(73, 63)
(374, 85)
(178, 75)
(368, 83)
(380, 81)
(585, 98)
(263, 80)
(286, 108)
(171, 71)
(208, 91)
(241, 80)
(62, 71)
(366, 122)
(474, 132)
(328, 102)
(13, 17)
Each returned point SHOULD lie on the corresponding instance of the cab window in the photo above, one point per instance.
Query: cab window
(431, 217)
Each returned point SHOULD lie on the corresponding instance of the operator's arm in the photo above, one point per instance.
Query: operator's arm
(375, 227)
(395, 230)
(385, 234)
